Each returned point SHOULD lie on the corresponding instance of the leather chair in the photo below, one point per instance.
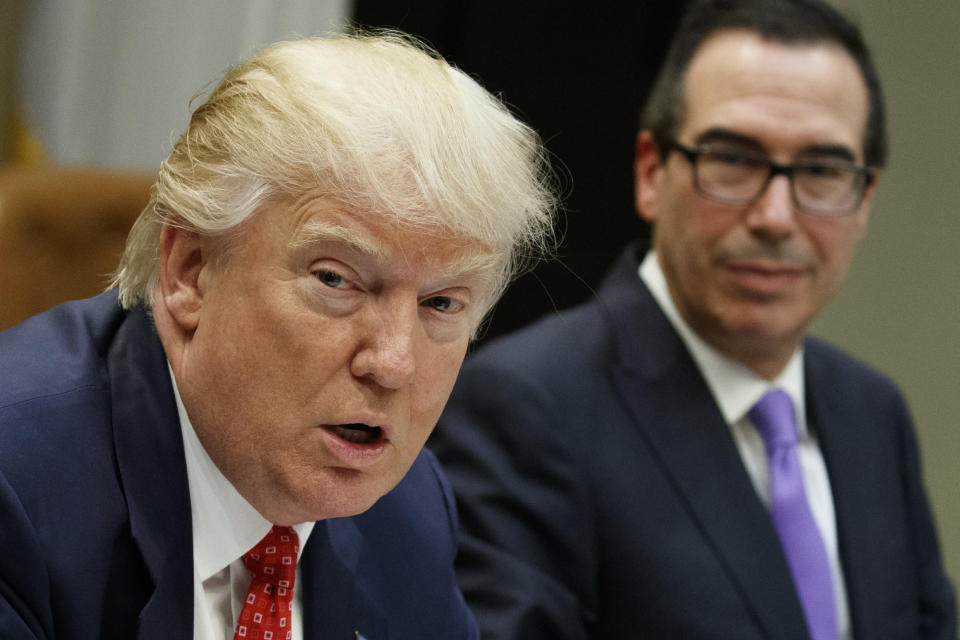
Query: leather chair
(62, 231)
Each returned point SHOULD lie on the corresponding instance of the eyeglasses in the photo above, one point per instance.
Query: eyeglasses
(821, 186)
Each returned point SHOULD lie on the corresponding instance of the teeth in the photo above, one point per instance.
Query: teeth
(356, 433)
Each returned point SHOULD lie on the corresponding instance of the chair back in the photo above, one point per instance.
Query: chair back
(62, 231)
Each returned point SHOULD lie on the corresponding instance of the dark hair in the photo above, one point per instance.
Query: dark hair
(786, 21)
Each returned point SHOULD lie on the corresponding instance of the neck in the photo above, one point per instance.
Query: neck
(765, 356)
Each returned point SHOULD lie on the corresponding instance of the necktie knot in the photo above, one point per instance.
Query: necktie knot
(268, 607)
(274, 559)
(774, 419)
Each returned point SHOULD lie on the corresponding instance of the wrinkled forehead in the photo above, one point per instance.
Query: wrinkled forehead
(385, 239)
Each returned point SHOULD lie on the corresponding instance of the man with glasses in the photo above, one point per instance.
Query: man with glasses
(676, 458)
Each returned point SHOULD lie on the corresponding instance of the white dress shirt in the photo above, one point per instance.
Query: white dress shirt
(225, 526)
(736, 389)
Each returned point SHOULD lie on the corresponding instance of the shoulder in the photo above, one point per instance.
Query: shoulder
(419, 514)
(60, 492)
(568, 347)
(843, 390)
(409, 543)
(56, 433)
(550, 345)
(827, 366)
(58, 351)
(54, 385)
(558, 373)
(541, 387)
(547, 386)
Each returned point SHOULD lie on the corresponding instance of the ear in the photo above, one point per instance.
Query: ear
(868, 196)
(647, 167)
(863, 213)
(183, 257)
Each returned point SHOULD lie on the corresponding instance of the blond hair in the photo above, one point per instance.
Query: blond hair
(377, 121)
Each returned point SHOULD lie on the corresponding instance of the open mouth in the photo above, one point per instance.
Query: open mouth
(356, 432)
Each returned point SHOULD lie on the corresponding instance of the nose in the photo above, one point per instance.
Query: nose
(386, 352)
(773, 215)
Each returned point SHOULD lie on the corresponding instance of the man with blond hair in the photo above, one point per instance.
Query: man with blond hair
(287, 321)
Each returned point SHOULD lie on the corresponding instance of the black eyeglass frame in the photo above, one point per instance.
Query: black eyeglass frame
(864, 176)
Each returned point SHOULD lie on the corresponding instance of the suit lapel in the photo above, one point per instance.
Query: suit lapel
(335, 605)
(672, 406)
(834, 422)
(153, 473)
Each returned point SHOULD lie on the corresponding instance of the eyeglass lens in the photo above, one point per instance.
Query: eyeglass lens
(827, 186)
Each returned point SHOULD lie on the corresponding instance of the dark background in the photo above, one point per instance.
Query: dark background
(578, 73)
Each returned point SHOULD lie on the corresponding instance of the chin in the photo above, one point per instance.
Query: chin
(345, 496)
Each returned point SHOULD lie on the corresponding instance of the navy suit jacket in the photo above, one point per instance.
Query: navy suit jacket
(95, 524)
(601, 493)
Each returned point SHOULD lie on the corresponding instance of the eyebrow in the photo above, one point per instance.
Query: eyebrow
(721, 134)
(473, 261)
(834, 150)
(315, 232)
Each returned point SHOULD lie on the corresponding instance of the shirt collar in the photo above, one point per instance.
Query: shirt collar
(225, 525)
(735, 388)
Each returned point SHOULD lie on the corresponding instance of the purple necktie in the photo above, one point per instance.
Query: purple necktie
(802, 544)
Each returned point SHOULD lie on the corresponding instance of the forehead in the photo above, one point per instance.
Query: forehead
(787, 96)
(381, 239)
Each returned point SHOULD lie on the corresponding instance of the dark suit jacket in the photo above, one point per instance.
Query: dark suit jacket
(601, 494)
(95, 525)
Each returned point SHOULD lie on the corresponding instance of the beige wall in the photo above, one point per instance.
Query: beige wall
(900, 308)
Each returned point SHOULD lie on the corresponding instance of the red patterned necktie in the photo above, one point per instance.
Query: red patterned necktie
(268, 609)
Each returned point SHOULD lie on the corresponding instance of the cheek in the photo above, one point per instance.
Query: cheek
(834, 240)
(693, 239)
(249, 320)
(438, 377)
(299, 337)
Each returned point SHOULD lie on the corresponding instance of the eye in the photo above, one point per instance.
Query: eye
(443, 304)
(331, 279)
(827, 169)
